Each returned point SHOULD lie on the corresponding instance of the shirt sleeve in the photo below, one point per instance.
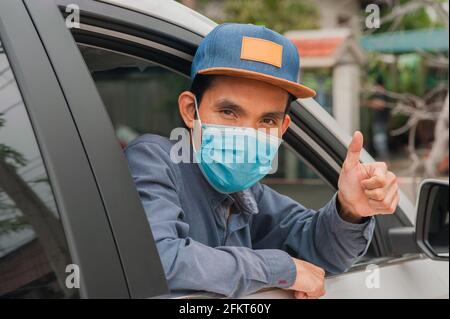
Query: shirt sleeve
(189, 264)
(320, 237)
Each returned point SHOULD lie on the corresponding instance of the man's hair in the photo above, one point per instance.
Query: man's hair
(202, 83)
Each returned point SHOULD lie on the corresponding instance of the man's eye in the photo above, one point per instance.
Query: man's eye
(228, 112)
(269, 121)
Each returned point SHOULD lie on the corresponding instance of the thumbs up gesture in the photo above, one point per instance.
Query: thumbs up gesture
(365, 189)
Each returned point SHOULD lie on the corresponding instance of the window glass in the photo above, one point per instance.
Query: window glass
(33, 248)
(139, 96)
(297, 180)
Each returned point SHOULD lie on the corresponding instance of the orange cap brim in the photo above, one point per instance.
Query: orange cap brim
(298, 90)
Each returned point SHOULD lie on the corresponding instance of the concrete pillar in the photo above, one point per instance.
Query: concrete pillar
(346, 89)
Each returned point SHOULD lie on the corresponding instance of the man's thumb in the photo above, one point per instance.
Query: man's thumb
(354, 149)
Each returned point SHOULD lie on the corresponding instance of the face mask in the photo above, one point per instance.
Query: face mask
(233, 158)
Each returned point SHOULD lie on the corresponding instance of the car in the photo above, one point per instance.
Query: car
(79, 79)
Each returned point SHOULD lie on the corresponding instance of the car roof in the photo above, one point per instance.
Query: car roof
(170, 11)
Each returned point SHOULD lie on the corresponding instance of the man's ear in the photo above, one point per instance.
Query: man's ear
(285, 124)
(186, 106)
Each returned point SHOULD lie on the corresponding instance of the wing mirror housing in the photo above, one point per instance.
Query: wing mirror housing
(430, 235)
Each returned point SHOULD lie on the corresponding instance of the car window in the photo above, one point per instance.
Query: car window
(296, 179)
(139, 96)
(33, 249)
(142, 97)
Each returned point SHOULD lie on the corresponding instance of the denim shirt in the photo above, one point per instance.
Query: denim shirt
(234, 244)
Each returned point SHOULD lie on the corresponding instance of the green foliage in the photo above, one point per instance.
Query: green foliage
(410, 72)
(8, 154)
(418, 19)
(15, 224)
(279, 15)
(15, 159)
(312, 78)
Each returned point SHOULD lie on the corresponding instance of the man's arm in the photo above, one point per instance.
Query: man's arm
(323, 238)
(188, 264)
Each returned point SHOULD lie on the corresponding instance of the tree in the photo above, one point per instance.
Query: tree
(33, 210)
(407, 96)
(410, 14)
(279, 15)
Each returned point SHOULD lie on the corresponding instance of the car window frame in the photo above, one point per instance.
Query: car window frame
(331, 147)
(144, 35)
(71, 180)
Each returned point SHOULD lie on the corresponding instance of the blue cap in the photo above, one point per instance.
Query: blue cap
(250, 51)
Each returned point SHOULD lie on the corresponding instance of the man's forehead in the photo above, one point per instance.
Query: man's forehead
(239, 90)
(245, 82)
(244, 107)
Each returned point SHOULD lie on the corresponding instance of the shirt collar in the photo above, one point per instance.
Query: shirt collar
(246, 201)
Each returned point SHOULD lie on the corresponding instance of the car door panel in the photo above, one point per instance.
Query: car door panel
(139, 258)
(83, 217)
(415, 278)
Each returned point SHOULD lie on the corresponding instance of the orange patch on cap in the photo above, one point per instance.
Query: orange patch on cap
(261, 50)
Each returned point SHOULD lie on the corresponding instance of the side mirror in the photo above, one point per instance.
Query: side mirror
(432, 221)
(431, 234)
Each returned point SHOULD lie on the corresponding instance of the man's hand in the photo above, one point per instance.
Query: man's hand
(310, 281)
(365, 189)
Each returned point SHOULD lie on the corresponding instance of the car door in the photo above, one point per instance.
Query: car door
(133, 241)
(131, 51)
(52, 218)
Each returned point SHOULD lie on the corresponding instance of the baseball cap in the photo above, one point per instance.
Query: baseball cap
(251, 51)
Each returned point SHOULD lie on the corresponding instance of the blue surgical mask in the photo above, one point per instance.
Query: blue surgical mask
(233, 158)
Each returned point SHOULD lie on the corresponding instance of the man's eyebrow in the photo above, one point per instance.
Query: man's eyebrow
(229, 104)
(278, 115)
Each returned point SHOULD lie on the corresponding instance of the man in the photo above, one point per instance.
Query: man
(216, 227)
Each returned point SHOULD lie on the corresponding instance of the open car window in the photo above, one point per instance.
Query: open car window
(141, 97)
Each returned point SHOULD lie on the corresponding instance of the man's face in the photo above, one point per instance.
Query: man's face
(241, 102)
